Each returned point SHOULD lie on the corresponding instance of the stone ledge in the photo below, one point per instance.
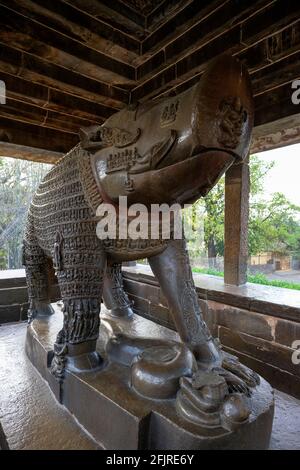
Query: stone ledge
(12, 278)
(276, 301)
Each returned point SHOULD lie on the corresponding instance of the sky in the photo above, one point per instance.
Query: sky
(284, 177)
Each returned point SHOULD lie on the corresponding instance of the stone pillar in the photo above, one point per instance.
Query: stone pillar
(237, 183)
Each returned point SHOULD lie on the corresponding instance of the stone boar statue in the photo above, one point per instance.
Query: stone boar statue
(171, 150)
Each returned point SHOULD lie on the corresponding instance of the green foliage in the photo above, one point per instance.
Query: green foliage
(211, 271)
(193, 227)
(253, 278)
(261, 279)
(214, 204)
(273, 223)
(18, 181)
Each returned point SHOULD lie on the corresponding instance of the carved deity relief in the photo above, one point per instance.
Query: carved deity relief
(233, 117)
(169, 113)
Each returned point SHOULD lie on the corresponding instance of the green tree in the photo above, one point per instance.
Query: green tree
(18, 181)
(214, 204)
(273, 223)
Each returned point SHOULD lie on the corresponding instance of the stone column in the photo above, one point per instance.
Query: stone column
(237, 183)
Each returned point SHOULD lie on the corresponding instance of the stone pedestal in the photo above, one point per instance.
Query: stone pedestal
(118, 417)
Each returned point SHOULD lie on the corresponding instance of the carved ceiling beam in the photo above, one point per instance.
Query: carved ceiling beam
(31, 135)
(79, 18)
(126, 10)
(276, 74)
(11, 19)
(24, 112)
(274, 105)
(192, 30)
(105, 14)
(29, 153)
(276, 134)
(184, 73)
(53, 100)
(160, 14)
(196, 59)
(44, 72)
(188, 22)
(266, 68)
(57, 16)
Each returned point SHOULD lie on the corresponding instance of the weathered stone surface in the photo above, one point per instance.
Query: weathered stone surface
(103, 401)
(27, 394)
(140, 304)
(286, 332)
(30, 416)
(273, 301)
(13, 295)
(159, 311)
(244, 321)
(144, 290)
(266, 351)
(210, 316)
(256, 324)
(280, 379)
(271, 308)
(286, 425)
(10, 313)
(262, 337)
(12, 278)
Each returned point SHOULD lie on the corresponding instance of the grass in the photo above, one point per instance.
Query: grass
(254, 278)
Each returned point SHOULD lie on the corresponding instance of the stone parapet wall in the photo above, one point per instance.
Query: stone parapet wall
(257, 329)
(256, 323)
(14, 296)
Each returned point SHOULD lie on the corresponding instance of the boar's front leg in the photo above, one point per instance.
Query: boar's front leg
(173, 271)
(114, 296)
(81, 281)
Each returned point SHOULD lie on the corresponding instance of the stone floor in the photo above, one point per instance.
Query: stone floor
(32, 419)
(30, 415)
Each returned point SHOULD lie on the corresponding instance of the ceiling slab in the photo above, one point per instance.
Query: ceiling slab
(68, 64)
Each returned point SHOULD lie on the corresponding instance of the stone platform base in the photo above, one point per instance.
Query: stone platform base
(118, 417)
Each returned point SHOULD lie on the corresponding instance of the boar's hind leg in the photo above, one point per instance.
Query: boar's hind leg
(114, 296)
(38, 277)
(81, 283)
(173, 271)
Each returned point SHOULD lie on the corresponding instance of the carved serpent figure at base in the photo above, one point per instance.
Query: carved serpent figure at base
(167, 151)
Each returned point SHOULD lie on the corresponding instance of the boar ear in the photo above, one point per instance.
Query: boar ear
(90, 137)
(83, 133)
